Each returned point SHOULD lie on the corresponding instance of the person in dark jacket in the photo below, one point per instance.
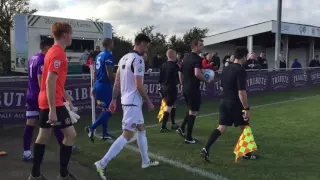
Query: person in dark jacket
(296, 64)
(226, 58)
(314, 62)
(263, 61)
(283, 63)
(251, 63)
(216, 60)
(157, 61)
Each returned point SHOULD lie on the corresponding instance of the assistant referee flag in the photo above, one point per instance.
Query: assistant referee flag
(162, 109)
(246, 143)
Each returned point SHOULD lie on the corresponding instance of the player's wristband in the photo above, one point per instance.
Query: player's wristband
(247, 109)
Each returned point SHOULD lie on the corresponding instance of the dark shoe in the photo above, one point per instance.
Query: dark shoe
(191, 141)
(181, 132)
(250, 156)
(205, 155)
(41, 177)
(164, 130)
(69, 177)
(90, 133)
(175, 127)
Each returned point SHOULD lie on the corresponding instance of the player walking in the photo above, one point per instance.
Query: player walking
(169, 80)
(53, 113)
(103, 88)
(129, 80)
(190, 76)
(35, 67)
(233, 100)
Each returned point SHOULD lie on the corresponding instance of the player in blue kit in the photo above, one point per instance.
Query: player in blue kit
(102, 89)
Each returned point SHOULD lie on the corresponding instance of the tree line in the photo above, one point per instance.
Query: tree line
(159, 42)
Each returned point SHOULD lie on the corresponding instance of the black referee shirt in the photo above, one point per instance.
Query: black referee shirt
(190, 81)
(169, 74)
(233, 79)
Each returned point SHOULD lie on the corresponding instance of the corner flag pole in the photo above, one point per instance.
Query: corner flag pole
(93, 101)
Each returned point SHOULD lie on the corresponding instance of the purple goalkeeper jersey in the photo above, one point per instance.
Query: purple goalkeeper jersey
(35, 67)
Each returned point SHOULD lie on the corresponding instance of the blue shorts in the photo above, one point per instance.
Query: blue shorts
(103, 93)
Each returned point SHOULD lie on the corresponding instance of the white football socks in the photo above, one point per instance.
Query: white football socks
(114, 150)
(143, 146)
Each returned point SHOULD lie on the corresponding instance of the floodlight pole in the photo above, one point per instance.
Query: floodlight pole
(278, 35)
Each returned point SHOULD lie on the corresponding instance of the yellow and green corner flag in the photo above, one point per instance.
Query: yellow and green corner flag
(162, 109)
(245, 143)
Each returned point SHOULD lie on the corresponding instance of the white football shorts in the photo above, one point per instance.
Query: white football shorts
(132, 116)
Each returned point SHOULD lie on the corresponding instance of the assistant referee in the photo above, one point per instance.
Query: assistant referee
(169, 80)
(233, 100)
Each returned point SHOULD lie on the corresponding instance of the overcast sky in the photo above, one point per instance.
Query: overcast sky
(177, 16)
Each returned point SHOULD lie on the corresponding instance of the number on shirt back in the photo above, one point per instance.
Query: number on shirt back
(30, 69)
(98, 63)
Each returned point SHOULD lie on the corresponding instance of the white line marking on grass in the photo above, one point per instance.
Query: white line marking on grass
(215, 113)
(177, 164)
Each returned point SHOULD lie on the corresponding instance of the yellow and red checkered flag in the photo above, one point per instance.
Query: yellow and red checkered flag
(245, 143)
(162, 109)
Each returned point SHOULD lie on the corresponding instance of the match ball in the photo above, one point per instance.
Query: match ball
(208, 74)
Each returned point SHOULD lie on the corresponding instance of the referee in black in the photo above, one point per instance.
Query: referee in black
(169, 80)
(233, 100)
(190, 76)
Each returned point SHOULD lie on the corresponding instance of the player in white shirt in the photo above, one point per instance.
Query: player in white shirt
(129, 80)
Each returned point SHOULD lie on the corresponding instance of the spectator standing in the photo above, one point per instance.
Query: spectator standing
(263, 61)
(157, 61)
(314, 62)
(251, 62)
(146, 63)
(207, 63)
(283, 63)
(226, 58)
(229, 61)
(179, 58)
(83, 61)
(216, 60)
(296, 64)
(96, 52)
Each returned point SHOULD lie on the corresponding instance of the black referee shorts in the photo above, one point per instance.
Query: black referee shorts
(63, 121)
(193, 100)
(169, 94)
(231, 113)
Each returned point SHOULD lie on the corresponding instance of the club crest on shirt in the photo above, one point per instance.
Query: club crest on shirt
(41, 68)
(56, 63)
(140, 69)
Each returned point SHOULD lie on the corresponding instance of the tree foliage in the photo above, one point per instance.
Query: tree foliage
(8, 8)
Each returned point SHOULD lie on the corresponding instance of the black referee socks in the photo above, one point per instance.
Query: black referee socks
(191, 119)
(214, 136)
(165, 119)
(173, 115)
(65, 155)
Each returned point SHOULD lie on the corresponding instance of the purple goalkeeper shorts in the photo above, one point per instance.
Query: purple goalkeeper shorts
(32, 108)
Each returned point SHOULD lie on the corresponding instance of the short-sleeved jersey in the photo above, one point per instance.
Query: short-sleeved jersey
(55, 61)
(169, 74)
(190, 81)
(35, 67)
(130, 65)
(102, 60)
(233, 79)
